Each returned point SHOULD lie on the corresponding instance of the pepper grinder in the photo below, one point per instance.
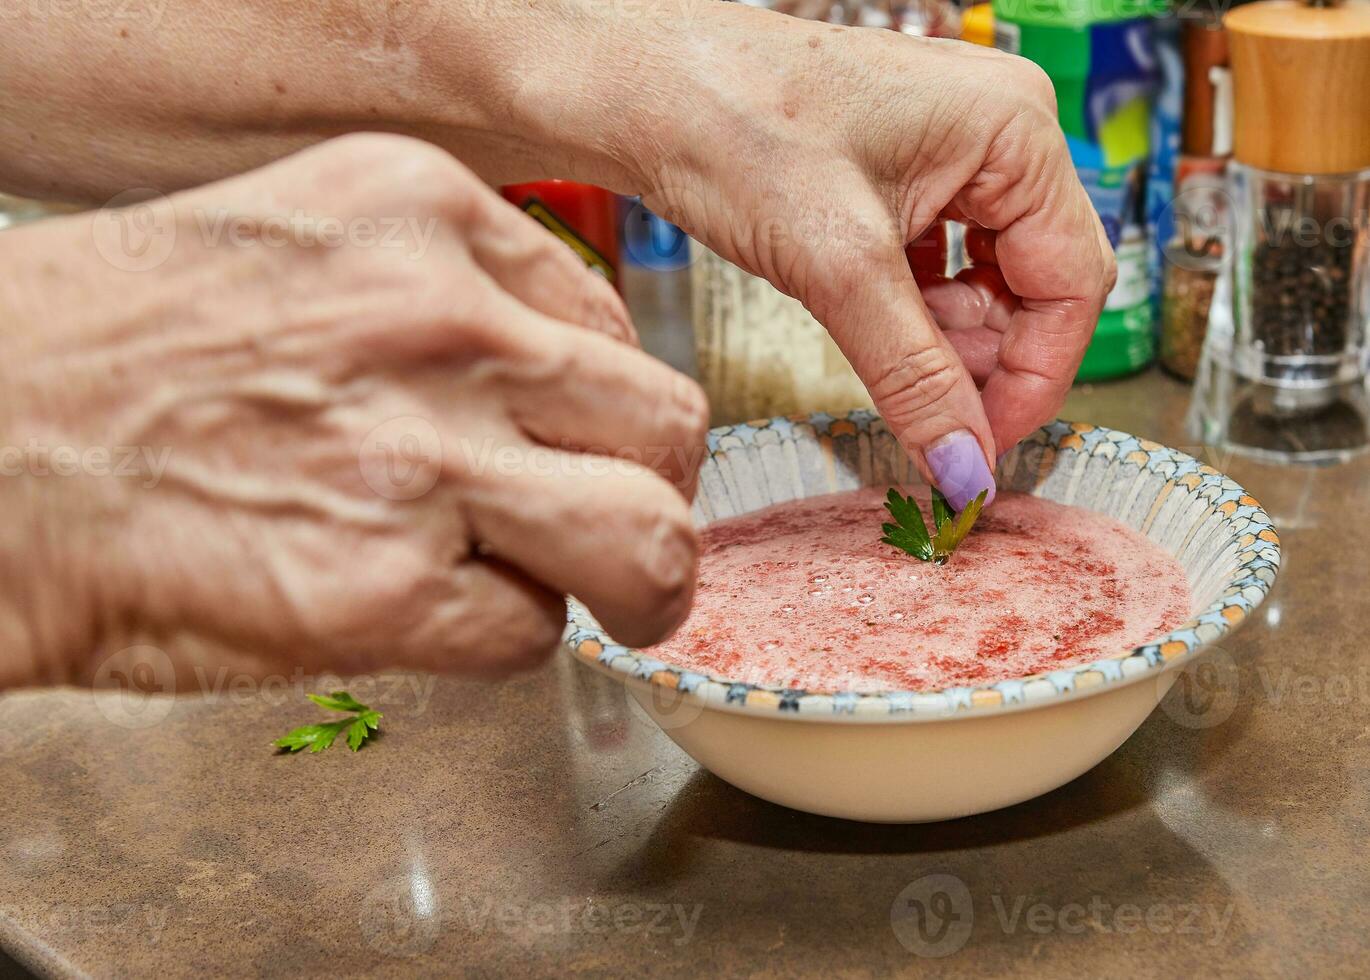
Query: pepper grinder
(1283, 375)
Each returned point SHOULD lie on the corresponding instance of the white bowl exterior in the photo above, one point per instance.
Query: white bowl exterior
(910, 773)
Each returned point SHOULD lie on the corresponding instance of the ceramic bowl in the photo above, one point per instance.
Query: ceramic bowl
(909, 756)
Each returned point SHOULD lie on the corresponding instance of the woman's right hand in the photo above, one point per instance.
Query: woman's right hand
(349, 411)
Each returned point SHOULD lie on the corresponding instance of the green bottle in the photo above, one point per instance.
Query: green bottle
(1101, 56)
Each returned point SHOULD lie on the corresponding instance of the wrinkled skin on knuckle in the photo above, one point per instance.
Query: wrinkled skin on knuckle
(381, 168)
(910, 388)
(607, 312)
(1022, 170)
(402, 175)
(682, 426)
(594, 303)
(1017, 83)
(414, 163)
(473, 315)
(311, 605)
(696, 411)
(371, 150)
(516, 364)
(538, 636)
(660, 570)
(827, 284)
(1036, 85)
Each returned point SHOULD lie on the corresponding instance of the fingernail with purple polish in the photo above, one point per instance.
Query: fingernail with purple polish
(959, 468)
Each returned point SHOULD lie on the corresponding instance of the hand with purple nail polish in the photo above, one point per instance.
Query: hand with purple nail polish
(961, 368)
(958, 468)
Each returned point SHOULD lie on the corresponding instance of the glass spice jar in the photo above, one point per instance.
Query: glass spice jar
(1185, 303)
(1200, 220)
(1300, 294)
(1193, 260)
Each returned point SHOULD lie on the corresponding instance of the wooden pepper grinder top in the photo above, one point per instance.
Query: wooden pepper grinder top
(1301, 85)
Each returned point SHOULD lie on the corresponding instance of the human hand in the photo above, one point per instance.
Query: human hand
(814, 155)
(809, 154)
(352, 455)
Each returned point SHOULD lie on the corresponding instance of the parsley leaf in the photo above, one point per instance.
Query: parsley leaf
(319, 737)
(941, 510)
(950, 534)
(909, 534)
(337, 701)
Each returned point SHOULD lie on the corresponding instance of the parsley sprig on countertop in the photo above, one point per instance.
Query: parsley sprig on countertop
(909, 534)
(316, 738)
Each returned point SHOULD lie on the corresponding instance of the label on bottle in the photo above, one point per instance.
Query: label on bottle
(1008, 37)
(1134, 283)
(587, 252)
(1104, 73)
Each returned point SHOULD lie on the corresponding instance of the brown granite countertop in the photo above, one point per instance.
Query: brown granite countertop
(543, 826)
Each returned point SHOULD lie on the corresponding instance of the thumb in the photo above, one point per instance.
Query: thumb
(875, 313)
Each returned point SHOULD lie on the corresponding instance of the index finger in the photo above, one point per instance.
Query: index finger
(872, 308)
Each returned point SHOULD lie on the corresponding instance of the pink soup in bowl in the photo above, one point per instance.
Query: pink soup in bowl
(826, 671)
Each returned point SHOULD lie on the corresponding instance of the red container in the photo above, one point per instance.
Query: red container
(581, 215)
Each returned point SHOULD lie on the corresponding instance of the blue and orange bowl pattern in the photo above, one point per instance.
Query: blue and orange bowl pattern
(1217, 531)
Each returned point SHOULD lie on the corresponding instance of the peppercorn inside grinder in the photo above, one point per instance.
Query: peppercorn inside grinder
(1283, 374)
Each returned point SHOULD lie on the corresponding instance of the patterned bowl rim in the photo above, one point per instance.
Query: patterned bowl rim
(1245, 586)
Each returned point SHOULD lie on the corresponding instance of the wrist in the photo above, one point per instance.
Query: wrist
(572, 89)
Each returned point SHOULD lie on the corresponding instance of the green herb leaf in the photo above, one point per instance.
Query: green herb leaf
(327, 733)
(941, 510)
(357, 733)
(316, 738)
(950, 535)
(909, 534)
(337, 701)
(297, 739)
